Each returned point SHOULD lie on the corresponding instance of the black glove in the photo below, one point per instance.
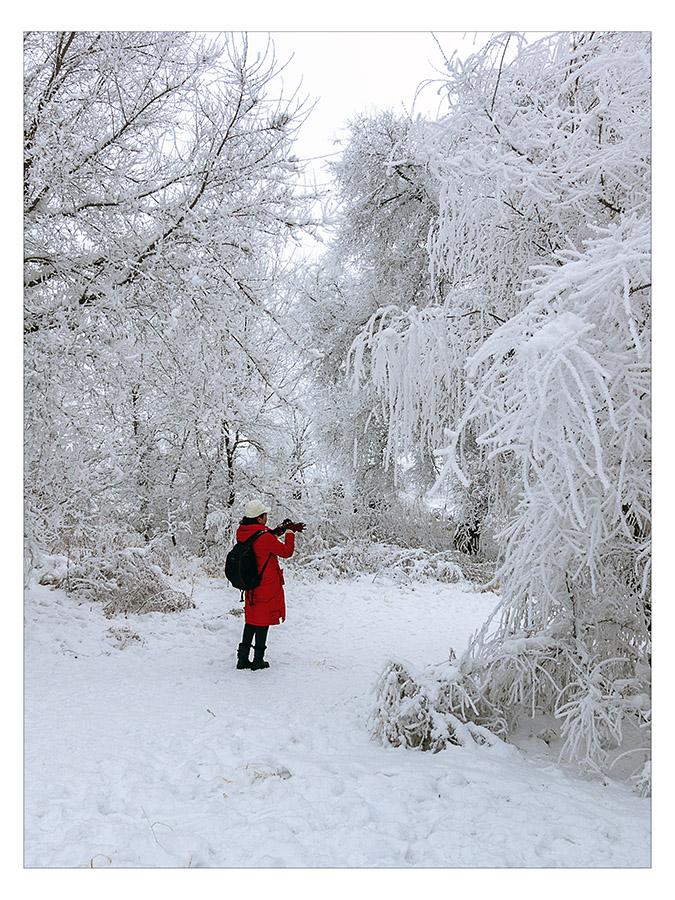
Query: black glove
(285, 525)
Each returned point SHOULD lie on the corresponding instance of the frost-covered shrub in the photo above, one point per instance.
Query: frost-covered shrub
(512, 669)
(341, 561)
(499, 679)
(595, 707)
(411, 565)
(426, 710)
(124, 581)
(402, 565)
(642, 780)
(212, 560)
(441, 705)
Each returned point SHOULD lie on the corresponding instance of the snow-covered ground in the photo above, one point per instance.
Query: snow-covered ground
(146, 747)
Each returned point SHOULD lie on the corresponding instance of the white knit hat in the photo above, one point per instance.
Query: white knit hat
(255, 508)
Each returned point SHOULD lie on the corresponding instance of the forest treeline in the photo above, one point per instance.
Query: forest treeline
(476, 330)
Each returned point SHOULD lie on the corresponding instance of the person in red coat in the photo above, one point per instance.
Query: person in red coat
(266, 604)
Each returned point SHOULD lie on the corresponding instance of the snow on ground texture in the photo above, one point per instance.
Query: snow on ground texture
(146, 747)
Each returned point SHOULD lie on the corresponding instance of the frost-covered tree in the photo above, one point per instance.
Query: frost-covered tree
(538, 354)
(160, 193)
(384, 207)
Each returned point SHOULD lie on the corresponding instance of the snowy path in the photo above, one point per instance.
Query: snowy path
(160, 753)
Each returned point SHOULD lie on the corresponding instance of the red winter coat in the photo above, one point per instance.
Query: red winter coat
(265, 605)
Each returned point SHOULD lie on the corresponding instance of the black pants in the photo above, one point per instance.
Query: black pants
(257, 631)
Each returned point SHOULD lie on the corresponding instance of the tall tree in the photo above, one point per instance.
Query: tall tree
(159, 193)
(537, 357)
(384, 207)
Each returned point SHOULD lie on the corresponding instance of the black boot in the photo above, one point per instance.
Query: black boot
(243, 662)
(258, 661)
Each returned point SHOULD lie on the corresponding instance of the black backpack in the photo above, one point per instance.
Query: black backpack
(241, 567)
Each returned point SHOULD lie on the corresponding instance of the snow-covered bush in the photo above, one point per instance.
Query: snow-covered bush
(124, 580)
(427, 710)
(401, 565)
(642, 780)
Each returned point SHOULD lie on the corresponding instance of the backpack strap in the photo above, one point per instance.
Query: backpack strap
(265, 566)
(249, 594)
(253, 537)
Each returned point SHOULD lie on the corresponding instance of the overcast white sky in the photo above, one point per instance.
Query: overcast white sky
(344, 73)
(348, 72)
